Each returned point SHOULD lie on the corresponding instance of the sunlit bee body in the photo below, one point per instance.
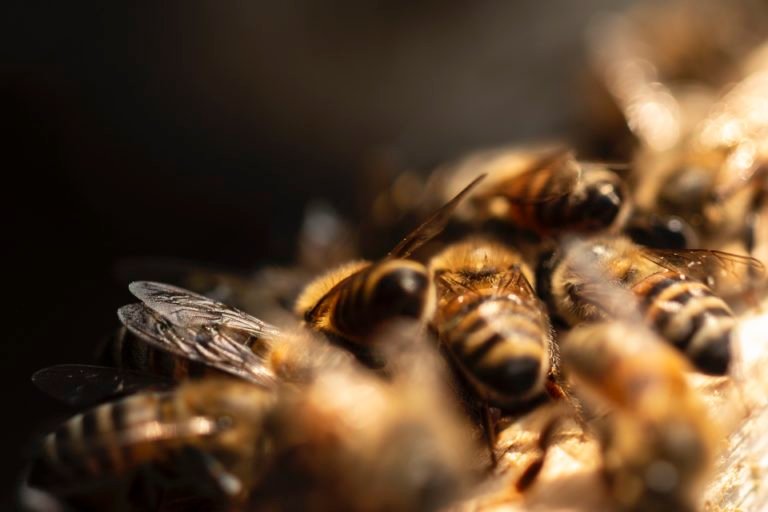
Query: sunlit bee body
(352, 300)
(667, 285)
(488, 317)
(544, 191)
(657, 441)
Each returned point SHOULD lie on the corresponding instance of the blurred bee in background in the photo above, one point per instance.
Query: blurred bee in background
(700, 152)
(290, 423)
(674, 290)
(350, 301)
(492, 325)
(657, 441)
(543, 191)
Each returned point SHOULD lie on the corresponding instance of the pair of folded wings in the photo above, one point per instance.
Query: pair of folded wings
(179, 322)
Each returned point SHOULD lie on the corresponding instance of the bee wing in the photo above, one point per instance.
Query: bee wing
(201, 339)
(715, 268)
(446, 284)
(184, 308)
(433, 226)
(82, 385)
(513, 281)
(513, 189)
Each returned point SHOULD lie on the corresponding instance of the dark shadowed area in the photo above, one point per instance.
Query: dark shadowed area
(198, 131)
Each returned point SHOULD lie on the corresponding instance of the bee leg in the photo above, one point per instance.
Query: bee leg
(558, 390)
(489, 432)
(528, 477)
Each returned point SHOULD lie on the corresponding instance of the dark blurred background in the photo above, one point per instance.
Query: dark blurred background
(198, 130)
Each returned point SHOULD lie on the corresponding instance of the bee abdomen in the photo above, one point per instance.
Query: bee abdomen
(380, 292)
(105, 441)
(691, 317)
(501, 345)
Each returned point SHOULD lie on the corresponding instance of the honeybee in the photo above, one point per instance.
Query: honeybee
(657, 441)
(700, 151)
(545, 191)
(491, 322)
(301, 427)
(351, 300)
(672, 289)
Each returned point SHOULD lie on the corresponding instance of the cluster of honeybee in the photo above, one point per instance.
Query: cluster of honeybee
(578, 317)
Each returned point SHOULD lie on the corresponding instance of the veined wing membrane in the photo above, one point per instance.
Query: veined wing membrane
(718, 269)
(184, 308)
(207, 343)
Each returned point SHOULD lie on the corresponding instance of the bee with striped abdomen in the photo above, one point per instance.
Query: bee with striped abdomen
(547, 192)
(493, 327)
(179, 436)
(657, 441)
(174, 335)
(350, 301)
(296, 425)
(674, 290)
(491, 322)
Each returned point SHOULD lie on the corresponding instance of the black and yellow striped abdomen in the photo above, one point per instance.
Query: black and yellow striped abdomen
(500, 344)
(690, 316)
(379, 292)
(111, 439)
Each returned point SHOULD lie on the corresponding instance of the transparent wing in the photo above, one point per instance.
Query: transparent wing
(184, 308)
(718, 269)
(514, 282)
(433, 226)
(446, 284)
(82, 385)
(221, 345)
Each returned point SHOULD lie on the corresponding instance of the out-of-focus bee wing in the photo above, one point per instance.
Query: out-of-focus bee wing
(717, 269)
(184, 308)
(513, 189)
(433, 226)
(82, 385)
(211, 343)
